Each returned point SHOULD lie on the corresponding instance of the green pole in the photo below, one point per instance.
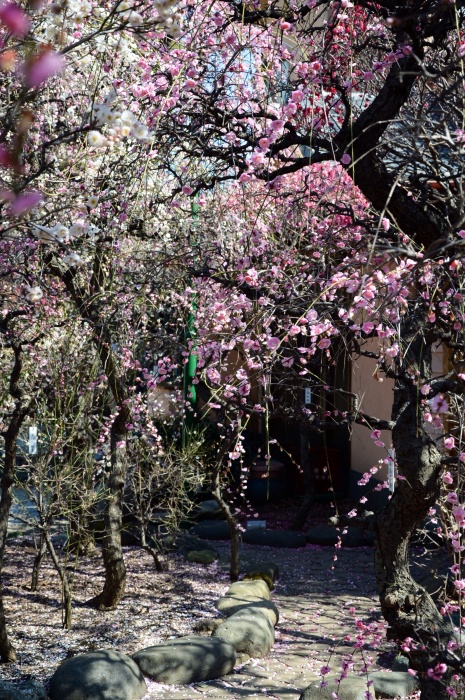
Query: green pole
(189, 390)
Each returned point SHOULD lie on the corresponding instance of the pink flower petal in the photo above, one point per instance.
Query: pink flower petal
(44, 67)
(14, 18)
(25, 202)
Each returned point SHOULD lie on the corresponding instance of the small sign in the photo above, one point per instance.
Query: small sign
(308, 396)
(256, 524)
(391, 470)
(33, 440)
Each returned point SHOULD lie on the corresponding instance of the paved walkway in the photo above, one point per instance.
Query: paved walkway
(319, 607)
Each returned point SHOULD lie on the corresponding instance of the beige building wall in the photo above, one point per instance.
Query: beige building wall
(376, 400)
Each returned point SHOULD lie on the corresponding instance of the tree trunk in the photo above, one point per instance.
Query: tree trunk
(115, 569)
(37, 562)
(406, 606)
(233, 528)
(20, 411)
(309, 494)
(67, 598)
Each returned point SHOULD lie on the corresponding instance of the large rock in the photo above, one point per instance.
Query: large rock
(202, 556)
(211, 530)
(275, 538)
(187, 660)
(208, 509)
(393, 685)
(350, 688)
(98, 675)
(231, 604)
(268, 571)
(249, 631)
(26, 690)
(257, 589)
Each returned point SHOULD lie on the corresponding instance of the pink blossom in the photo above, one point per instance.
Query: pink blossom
(14, 18)
(346, 159)
(425, 389)
(368, 327)
(459, 515)
(277, 124)
(324, 343)
(187, 190)
(447, 478)
(439, 404)
(452, 497)
(449, 443)
(43, 67)
(273, 343)
(437, 672)
(368, 75)
(297, 96)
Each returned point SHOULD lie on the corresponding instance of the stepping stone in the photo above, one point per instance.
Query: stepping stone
(207, 509)
(98, 675)
(187, 660)
(249, 631)
(256, 589)
(202, 556)
(231, 604)
(211, 530)
(275, 538)
(350, 688)
(400, 663)
(394, 684)
(268, 571)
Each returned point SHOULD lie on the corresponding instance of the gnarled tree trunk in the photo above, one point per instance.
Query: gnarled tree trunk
(406, 606)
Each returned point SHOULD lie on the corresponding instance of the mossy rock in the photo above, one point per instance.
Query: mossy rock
(202, 556)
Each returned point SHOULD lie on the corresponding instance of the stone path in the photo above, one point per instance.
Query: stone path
(319, 607)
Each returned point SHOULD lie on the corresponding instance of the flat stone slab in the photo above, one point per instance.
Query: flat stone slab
(98, 675)
(231, 604)
(211, 530)
(394, 684)
(275, 538)
(258, 589)
(202, 556)
(267, 570)
(249, 631)
(350, 688)
(207, 509)
(187, 660)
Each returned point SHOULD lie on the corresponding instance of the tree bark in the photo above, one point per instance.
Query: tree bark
(406, 606)
(115, 568)
(67, 597)
(37, 562)
(20, 411)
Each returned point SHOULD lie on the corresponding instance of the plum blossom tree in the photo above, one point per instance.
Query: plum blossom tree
(342, 125)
